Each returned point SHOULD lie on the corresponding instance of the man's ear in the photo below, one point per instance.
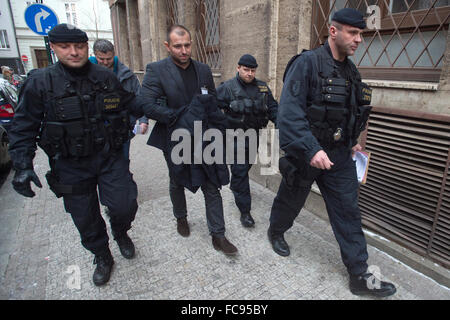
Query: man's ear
(333, 31)
(166, 44)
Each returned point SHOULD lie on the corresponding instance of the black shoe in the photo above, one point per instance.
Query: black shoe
(367, 284)
(279, 245)
(183, 227)
(126, 246)
(104, 267)
(222, 244)
(247, 220)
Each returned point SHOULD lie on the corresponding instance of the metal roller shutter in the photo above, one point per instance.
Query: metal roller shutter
(407, 194)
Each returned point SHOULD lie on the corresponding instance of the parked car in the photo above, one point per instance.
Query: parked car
(8, 103)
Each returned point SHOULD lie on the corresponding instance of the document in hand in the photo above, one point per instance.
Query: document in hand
(362, 159)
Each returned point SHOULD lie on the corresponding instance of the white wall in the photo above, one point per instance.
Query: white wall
(93, 17)
(6, 23)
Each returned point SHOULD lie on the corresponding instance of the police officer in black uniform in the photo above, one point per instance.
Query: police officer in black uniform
(323, 109)
(248, 104)
(78, 113)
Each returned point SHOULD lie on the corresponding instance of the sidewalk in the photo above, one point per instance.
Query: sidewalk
(41, 255)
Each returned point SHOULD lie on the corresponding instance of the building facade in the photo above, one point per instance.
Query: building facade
(404, 57)
(9, 52)
(91, 16)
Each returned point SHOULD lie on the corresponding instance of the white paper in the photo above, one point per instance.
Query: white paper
(362, 161)
(137, 129)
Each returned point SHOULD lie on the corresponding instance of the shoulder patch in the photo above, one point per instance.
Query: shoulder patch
(263, 89)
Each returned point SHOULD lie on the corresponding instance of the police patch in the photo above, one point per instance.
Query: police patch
(111, 103)
(263, 89)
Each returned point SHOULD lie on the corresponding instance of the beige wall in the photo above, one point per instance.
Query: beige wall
(272, 31)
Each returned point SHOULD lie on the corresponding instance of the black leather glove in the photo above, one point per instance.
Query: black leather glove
(21, 182)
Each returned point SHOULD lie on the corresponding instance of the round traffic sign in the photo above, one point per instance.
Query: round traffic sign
(24, 58)
(40, 18)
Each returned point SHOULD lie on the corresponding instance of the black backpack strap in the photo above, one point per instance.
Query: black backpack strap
(291, 61)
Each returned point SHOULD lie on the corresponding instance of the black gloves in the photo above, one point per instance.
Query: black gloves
(21, 182)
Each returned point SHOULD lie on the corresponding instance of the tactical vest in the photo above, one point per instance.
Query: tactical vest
(338, 112)
(254, 111)
(78, 125)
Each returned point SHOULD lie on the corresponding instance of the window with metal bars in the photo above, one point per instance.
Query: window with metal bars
(405, 39)
(207, 33)
(174, 16)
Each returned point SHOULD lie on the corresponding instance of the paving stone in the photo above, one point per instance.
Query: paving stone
(43, 254)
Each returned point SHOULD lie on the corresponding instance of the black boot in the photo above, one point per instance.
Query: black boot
(367, 284)
(279, 245)
(125, 244)
(247, 220)
(103, 270)
(183, 227)
(222, 244)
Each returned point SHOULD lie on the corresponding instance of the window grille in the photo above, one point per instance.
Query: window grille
(174, 12)
(207, 33)
(405, 39)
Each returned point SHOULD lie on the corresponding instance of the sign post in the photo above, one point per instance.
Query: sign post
(41, 19)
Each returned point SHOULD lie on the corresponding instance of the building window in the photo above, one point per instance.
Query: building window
(71, 13)
(405, 39)
(4, 43)
(207, 31)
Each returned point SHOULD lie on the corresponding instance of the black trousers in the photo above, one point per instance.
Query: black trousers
(339, 188)
(116, 190)
(239, 183)
(213, 203)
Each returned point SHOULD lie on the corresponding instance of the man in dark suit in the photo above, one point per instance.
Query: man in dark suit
(177, 79)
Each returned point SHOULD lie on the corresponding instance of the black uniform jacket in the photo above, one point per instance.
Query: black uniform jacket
(34, 105)
(252, 90)
(301, 83)
(162, 79)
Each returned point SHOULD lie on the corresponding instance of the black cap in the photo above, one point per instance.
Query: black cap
(351, 17)
(66, 33)
(248, 61)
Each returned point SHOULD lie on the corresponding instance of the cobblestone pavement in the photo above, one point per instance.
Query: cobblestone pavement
(41, 256)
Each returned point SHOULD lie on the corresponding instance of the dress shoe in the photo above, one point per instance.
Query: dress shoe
(279, 245)
(367, 284)
(104, 267)
(247, 220)
(183, 227)
(222, 244)
(125, 244)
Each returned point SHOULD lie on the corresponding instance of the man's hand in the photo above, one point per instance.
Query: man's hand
(144, 127)
(356, 147)
(21, 182)
(321, 161)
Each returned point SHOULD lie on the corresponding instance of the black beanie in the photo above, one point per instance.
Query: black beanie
(351, 17)
(248, 61)
(66, 33)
